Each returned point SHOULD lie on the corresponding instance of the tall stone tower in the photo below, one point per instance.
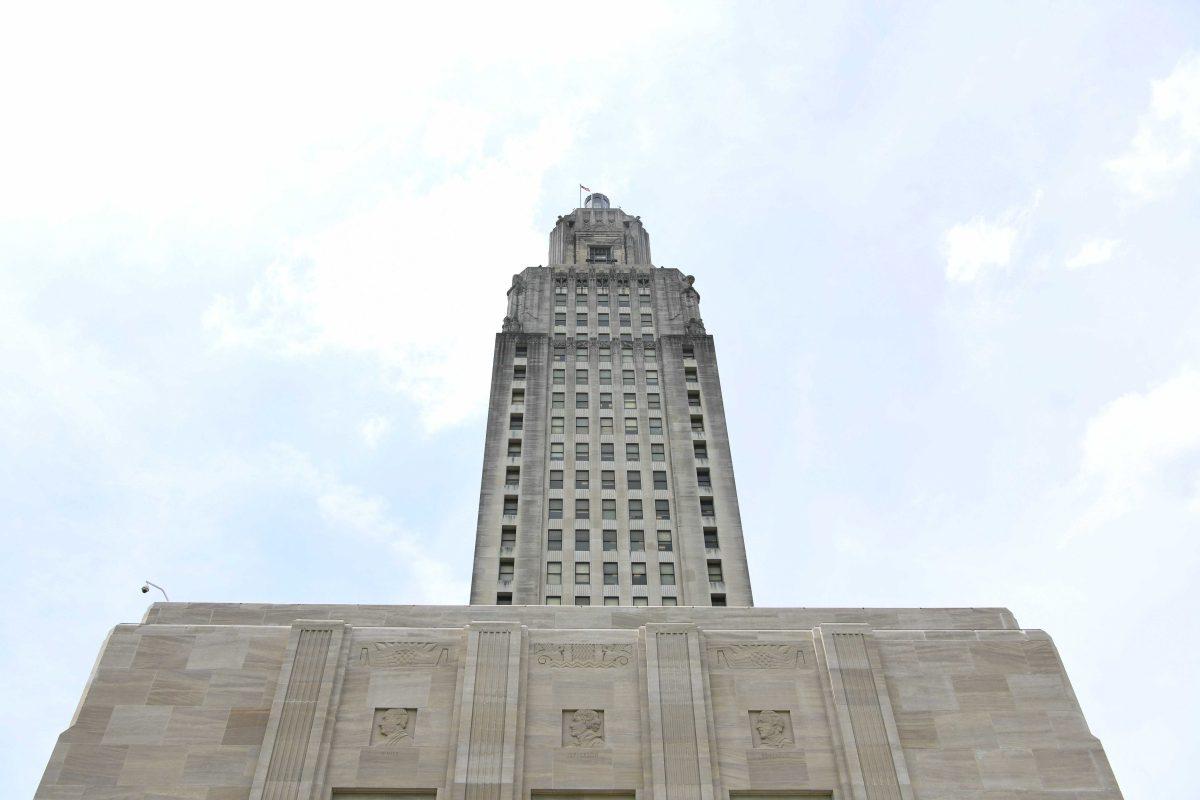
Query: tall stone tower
(607, 477)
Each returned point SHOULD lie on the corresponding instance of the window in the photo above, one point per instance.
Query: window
(582, 509)
(518, 396)
(606, 425)
(581, 424)
(628, 378)
(635, 509)
(510, 506)
(504, 598)
(610, 540)
(583, 541)
(670, 601)
(581, 354)
(706, 507)
(514, 448)
(602, 319)
(703, 478)
(652, 377)
(512, 476)
(689, 375)
(630, 400)
(626, 322)
(608, 509)
(637, 540)
(556, 479)
(606, 451)
(653, 401)
(556, 451)
(582, 478)
(553, 600)
(647, 320)
(666, 574)
(710, 539)
(693, 400)
(630, 425)
(633, 479)
(606, 377)
(583, 573)
(700, 449)
(610, 573)
(556, 508)
(612, 601)
(518, 372)
(715, 575)
(554, 573)
(627, 354)
(664, 542)
(581, 377)
(581, 451)
(557, 400)
(605, 353)
(641, 601)
(697, 424)
(658, 453)
(649, 354)
(660, 479)
(581, 319)
(581, 400)
(506, 570)
(608, 479)
(521, 351)
(718, 600)
(656, 426)
(632, 453)
(689, 351)
(508, 537)
(662, 509)
(560, 356)
(605, 400)
(559, 377)
(554, 539)
(560, 319)
(637, 573)
(556, 424)
(560, 296)
(601, 253)
(582, 600)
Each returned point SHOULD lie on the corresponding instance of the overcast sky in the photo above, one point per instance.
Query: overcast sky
(252, 260)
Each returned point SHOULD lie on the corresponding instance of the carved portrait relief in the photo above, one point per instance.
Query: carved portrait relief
(393, 726)
(771, 729)
(583, 727)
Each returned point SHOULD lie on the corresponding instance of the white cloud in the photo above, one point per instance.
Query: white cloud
(1168, 134)
(374, 429)
(973, 249)
(411, 282)
(1094, 252)
(1131, 443)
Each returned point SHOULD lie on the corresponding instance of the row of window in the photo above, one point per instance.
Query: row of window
(558, 377)
(603, 319)
(638, 571)
(582, 425)
(608, 479)
(608, 508)
(608, 539)
(584, 600)
(628, 400)
(604, 352)
(607, 452)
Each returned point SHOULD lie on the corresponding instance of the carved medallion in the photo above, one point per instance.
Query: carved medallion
(771, 729)
(583, 727)
(393, 655)
(581, 654)
(749, 655)
(393, 726)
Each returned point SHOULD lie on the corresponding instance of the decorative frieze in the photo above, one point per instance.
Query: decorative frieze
(394, 655)
(755, 655)
(585, 655)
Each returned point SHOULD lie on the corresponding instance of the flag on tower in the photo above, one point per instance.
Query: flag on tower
(584, 188)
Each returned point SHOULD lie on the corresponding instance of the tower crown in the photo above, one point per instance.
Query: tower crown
(599, 234)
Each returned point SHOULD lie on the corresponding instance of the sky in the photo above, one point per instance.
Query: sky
(253, 258)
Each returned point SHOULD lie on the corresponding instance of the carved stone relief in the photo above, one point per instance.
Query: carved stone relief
(771, 729)
(581, 654)
(394, 655)
(393, 726)
(755, 656)
(583, 727)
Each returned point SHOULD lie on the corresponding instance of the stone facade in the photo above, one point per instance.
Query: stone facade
(229, 702)
(606, 422)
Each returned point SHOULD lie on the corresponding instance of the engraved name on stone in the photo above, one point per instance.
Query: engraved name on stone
(584, 655)
(583, 728)
(393, 655)
(756, 656)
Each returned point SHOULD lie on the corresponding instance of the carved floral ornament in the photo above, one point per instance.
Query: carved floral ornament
(582, 655)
